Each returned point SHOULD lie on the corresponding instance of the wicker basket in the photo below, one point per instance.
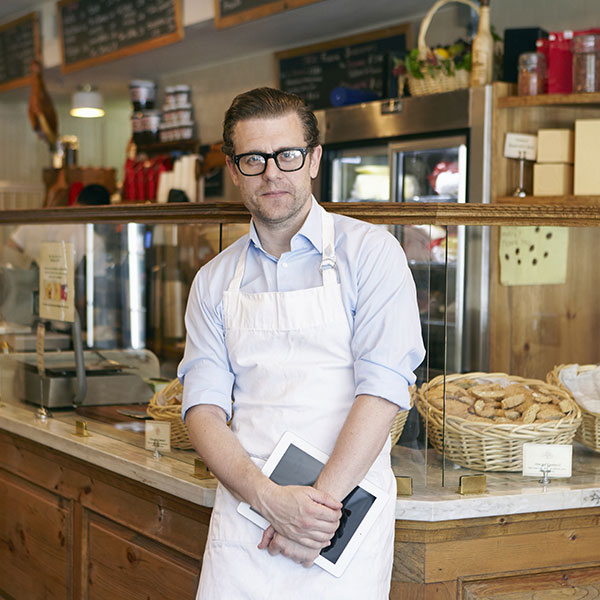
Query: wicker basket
(440, 82)
(165, 405)
(588, 433)
(401, 417)
(492, 447)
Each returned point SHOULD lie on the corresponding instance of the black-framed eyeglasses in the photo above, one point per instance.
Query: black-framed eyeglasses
(255, 163)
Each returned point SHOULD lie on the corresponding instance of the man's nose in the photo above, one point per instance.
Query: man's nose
(271, 168)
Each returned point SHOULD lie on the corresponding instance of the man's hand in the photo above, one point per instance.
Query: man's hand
(302, 514)
(277, 544)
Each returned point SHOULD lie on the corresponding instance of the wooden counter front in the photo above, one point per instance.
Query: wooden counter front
(69, 528)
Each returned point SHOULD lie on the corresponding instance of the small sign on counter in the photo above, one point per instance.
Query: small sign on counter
(158, 436)
(551, 460)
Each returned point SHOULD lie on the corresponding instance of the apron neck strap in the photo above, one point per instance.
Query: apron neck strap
(328, 257)
(236, 282)
(327, 266)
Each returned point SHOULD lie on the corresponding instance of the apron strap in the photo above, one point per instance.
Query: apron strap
(236, 282)
(328, 258)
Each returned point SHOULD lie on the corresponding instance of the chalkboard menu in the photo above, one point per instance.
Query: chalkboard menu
(358, 66)
(234, 12)
(96, 31)
(19, 46)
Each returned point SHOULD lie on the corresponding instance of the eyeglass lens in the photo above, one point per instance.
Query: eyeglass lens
(291, 159)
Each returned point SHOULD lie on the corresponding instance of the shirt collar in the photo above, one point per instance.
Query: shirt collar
(310, 230)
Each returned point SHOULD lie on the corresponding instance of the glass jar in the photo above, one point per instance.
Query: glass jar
(532, 74)
(586, 63)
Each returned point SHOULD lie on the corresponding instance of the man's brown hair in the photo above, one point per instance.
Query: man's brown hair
(265, 102)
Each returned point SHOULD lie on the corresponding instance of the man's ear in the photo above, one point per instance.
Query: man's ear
(315, 161)
(232, 171)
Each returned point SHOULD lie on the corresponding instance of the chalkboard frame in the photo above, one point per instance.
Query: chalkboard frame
(37, 46)
(405, 29)
(151, 44)
(266, 9)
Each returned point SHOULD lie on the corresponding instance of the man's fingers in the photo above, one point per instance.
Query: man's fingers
(326, 500)
(267, 536)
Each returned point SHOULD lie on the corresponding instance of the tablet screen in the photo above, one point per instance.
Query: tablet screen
(296, 467)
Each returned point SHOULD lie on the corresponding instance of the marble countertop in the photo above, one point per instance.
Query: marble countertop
(121, 450)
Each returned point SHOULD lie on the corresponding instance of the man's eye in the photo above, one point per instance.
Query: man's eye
(254, 159)
(289, 155)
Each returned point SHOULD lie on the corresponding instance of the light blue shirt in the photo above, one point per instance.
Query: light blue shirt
(378, 294)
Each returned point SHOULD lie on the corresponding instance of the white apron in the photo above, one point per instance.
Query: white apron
(291, 356)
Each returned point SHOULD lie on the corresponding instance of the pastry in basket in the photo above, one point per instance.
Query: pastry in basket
(498, 400)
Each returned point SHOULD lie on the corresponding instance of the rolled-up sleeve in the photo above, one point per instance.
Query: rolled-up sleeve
(387, 341)
(205, 371)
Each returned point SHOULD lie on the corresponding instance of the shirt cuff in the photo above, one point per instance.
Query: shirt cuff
(377, 380)
(206, 385)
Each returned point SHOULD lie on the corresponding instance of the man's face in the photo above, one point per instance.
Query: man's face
(275, 198)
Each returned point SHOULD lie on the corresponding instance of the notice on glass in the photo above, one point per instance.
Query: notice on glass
(533, 255)
(57, 281)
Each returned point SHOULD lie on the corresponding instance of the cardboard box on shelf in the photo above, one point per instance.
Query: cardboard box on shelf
(552, 179)
(586, 181)
(555, 146)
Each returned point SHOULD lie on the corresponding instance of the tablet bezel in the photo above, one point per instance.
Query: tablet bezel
(381, 497)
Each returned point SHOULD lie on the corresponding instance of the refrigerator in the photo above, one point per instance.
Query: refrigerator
(424, 149)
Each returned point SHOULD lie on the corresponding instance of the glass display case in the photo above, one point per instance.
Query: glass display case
(544, 306)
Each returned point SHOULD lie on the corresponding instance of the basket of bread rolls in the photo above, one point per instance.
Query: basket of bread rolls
(582, 383)
(401, 417)
(489, 416)
(165, 405)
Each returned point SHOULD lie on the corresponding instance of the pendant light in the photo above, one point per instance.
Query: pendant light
(87, 102)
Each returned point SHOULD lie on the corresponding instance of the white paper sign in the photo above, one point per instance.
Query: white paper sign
(158, 436)
(520, 145)
(57, 281)
(555, 458)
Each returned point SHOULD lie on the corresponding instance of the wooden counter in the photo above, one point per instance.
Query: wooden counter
(101, 518)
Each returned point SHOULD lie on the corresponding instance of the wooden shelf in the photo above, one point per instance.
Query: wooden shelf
(547, 100)
(388, 213)
(566, 201)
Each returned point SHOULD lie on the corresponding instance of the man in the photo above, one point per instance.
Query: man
(310, 322)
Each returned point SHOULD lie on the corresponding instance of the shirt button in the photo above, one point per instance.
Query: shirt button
(284, 265)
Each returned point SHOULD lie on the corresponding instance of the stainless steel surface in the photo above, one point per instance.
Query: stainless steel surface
(435, 113)
(105, 384)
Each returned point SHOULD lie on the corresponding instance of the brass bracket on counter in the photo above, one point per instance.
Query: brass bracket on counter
(81, 429)
(201, 470)
(472, 484)
(404, 485)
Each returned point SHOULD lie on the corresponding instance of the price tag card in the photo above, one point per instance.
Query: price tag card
(555, 458)
(520, 145)
(158, 436)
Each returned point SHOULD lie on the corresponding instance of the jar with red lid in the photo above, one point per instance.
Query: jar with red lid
(532, 76)
(586, 63)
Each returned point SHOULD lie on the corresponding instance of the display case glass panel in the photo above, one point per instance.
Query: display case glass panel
(543, 312)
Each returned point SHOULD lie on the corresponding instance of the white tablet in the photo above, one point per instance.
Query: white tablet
(295, 462)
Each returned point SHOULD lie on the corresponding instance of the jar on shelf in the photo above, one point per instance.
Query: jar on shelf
(586, 63)
(532, 76)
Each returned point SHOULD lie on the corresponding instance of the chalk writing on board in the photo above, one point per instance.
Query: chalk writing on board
(110, 28)
(19, 44)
